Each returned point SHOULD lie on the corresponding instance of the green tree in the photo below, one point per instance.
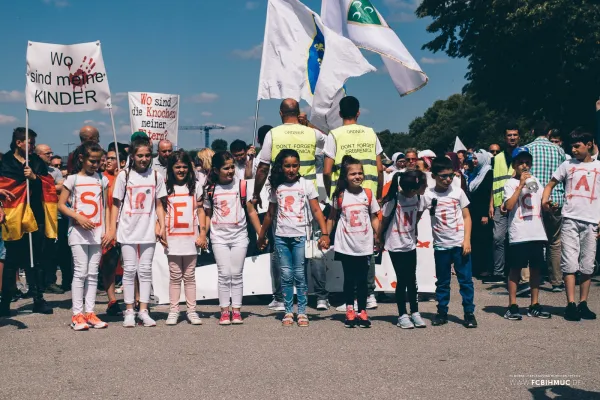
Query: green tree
(219, 145)
(393, 142)
(539, 58)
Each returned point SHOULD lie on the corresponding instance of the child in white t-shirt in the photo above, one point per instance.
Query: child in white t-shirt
(86, 192)
(138, 198)
(354, 237)
(526, 234)
(402, 209)
(293, 199)
(225, 203)
(581, 214)
(184, 210)
(451, 225)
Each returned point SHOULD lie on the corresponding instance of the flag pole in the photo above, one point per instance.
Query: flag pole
(112, 120)
(27, 179)
(255, 123)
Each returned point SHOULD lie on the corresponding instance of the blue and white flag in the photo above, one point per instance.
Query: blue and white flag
(303, 59)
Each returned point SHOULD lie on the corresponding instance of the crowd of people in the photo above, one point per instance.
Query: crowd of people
(516, 215)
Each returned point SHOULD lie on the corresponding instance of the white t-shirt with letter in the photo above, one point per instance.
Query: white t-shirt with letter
(525, 219)
(292, 208)
(401, 234)
(228, 222)
(582, 188)
(87, 199)
(182, 221)
(447, 223)
(354, 233)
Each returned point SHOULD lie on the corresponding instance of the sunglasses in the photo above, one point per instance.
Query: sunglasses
(446, 176)
(494, 151)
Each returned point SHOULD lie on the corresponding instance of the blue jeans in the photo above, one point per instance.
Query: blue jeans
(443, 270)
(289, 252)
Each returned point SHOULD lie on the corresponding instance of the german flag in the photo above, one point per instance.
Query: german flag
(19, 215)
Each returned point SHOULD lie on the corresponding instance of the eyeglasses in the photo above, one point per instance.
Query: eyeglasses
(446, 176)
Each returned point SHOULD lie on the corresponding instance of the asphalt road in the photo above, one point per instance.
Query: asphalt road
(42, 358)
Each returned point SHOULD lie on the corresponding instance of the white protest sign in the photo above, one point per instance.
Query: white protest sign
(156, 114)
(66, 78)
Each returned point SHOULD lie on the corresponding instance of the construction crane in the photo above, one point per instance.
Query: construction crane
(205, 128)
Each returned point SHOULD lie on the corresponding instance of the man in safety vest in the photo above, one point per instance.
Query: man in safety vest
(503, 171)
(361, 143)
(293, 134)
(289, 135)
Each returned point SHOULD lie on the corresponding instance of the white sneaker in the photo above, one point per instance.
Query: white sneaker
(194, 318)
(417, 320)
(129, 321)
(276, 305)
(342, 308)
(172, 318)
(322, 305)
(144, 317)
(404, 322)
(371, 302)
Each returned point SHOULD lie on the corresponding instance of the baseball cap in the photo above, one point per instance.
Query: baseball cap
(139, 135)
(521, 150)
(426, 153)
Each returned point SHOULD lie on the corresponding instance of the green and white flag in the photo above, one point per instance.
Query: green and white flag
(360, 21)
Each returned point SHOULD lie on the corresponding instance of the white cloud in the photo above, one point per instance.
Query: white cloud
(57, 3)
(251, 5)
(432, 60)
(13, 96)
(116, 110)
(124, 130)
(251, 118)
(206, 114)
(7, 119)
(203, 98)
(119, 97)
(255, 53)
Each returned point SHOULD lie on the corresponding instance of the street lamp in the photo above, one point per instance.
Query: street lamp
(68, 147)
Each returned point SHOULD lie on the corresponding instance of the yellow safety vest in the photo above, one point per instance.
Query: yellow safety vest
(300, 138)
(360, 142)
(502, 173)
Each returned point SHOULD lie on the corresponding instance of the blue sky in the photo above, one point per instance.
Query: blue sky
(206, 51)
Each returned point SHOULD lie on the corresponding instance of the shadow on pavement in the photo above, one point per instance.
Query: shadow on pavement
(12, 322)
(501, 310)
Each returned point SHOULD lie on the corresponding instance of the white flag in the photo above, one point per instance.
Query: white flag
(360, 21)
(66, 78)
(458, 145)
(303, 59)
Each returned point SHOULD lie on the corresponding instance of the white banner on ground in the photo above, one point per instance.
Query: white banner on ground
(66, 78)
(156, 114)
(257, 270)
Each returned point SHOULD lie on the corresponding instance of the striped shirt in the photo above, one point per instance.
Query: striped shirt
(547, 157)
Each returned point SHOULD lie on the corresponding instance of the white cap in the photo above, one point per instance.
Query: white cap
(426, 153)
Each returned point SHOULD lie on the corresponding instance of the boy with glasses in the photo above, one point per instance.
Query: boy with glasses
(451, 225)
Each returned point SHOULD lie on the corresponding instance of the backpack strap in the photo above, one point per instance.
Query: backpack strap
(369, 196)
(243, 194)
(210, 193)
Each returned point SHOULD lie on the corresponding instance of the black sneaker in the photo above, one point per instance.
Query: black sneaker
(440, 319)
(470, 321)
(558, 289)
(114, 310)
(572, 312)
(513, 313)
(536, 310)
(585, 312)
(42, 307)
(54, 288)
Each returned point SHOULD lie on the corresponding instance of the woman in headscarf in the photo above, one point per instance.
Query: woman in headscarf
(479, 179)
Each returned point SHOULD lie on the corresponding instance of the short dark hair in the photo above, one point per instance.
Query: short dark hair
(55, 158)
(262, 132)
(440, 164)
(19, 134)
(511, 126)
(581, 135)
(555, 133)
(237, 145)
(463, 152)
(541, 128)
(120, 146)
(349, 107)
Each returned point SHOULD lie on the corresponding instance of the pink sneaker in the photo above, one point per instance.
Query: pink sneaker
(225, 318)
(237, 318)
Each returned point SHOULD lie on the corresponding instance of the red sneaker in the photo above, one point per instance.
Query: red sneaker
(363, 320)
(94, 322)
(78, 323)
(237, 318)
(225, 318)
(350, 317)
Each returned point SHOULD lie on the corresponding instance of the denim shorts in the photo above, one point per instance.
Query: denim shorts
(2, 250)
